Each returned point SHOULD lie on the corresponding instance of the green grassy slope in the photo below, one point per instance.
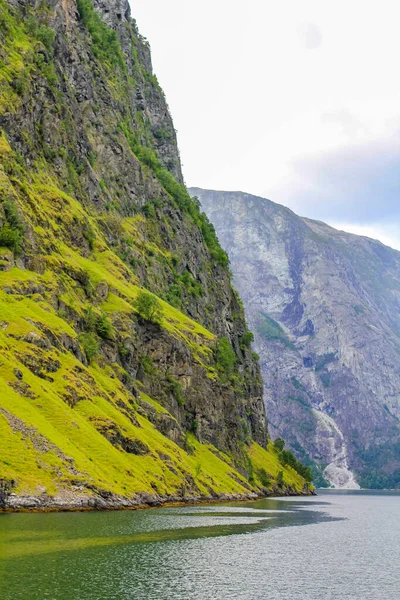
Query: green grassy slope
(94, 399)
(54, 409)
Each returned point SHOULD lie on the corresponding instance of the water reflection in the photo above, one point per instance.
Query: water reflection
(223, 551)
(26, 534)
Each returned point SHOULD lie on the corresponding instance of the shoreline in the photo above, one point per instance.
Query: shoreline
(46, 504)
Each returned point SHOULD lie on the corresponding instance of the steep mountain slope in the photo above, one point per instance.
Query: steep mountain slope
(110, 395)
(325, 309)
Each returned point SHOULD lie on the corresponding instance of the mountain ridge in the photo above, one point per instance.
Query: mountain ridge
(125, 375)
(323, 305)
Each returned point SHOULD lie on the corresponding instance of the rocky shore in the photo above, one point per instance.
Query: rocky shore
(45, 503)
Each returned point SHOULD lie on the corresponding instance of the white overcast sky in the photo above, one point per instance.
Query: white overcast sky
(295, 101)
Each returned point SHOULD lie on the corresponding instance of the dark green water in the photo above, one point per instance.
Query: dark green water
(336, 546)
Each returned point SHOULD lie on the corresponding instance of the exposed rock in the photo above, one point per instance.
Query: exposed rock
(18, 374)
(7, 261)
(90, 169)
(34, 338)
(324, 306)
(6, 486)
(135, 447)
(79, 502)
(23, 389)
(102, 290)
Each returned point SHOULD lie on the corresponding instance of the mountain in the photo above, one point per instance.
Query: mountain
(126, 372)
(324, 306)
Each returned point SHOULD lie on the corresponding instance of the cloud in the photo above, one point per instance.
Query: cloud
(357, 183)
(310, 35)
(346, 122)
(314, 131)
(388, 234)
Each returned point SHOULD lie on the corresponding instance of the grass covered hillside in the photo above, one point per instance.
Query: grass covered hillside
(126, 369)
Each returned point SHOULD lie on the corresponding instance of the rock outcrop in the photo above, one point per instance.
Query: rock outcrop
(101, 397)
(324, 306)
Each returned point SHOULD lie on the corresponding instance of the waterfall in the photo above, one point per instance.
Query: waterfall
(331, 440)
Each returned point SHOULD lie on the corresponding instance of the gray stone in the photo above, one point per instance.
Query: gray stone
(324, 306)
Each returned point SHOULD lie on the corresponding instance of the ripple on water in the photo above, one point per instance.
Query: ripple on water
(336, 546)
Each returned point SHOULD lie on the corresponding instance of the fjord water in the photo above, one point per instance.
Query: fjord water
(334, 546)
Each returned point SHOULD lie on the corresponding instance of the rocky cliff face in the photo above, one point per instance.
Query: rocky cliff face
(324, 306)
(103, 399)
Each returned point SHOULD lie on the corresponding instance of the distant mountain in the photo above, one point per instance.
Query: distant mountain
(324, 306)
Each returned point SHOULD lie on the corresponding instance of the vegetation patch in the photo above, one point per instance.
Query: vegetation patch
(105, 43)
(12, 229)
(148, 307)
(271, 330)
(97, 254)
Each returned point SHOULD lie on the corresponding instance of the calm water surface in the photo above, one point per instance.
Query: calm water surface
(336, 546)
